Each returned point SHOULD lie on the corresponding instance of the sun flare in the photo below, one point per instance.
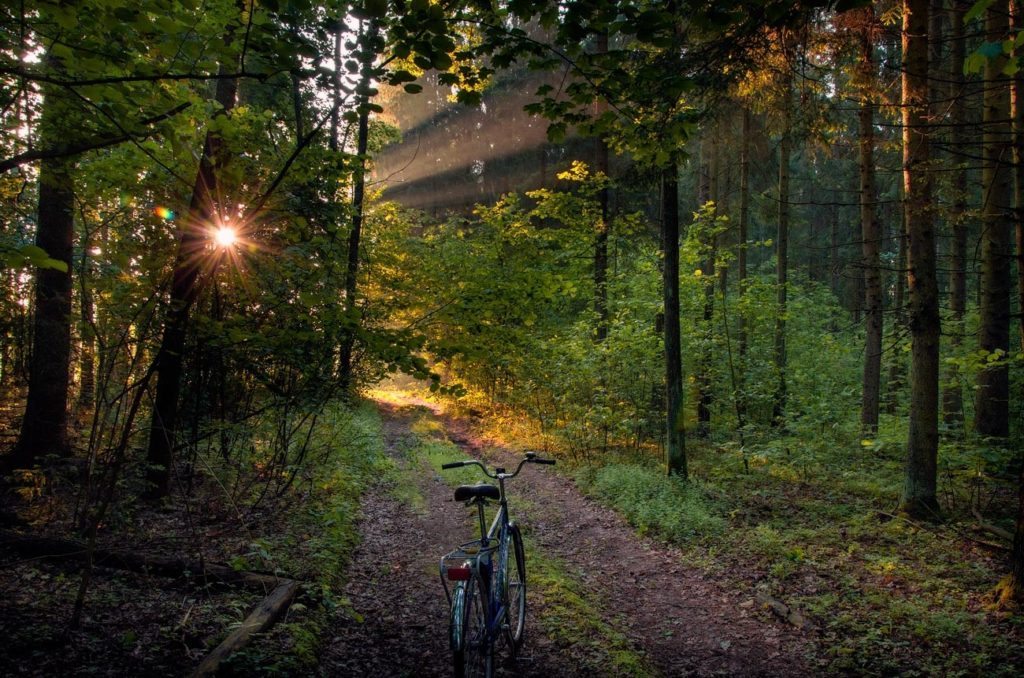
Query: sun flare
(225, 236)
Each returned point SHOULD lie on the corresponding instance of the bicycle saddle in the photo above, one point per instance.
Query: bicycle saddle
(480, 491)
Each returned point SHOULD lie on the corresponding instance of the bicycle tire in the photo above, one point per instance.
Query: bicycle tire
(515, 590)
(473, 658)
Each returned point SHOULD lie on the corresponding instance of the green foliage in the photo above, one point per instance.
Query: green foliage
(320, 540)
(667, 507)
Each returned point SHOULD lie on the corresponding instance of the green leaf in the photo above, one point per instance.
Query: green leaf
(413, 88)
(977, 10)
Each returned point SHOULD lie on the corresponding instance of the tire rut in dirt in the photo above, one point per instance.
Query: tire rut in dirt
(685, 623)
(392, 583)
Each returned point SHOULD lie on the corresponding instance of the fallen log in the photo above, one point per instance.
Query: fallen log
(260, 619)
(69, 549)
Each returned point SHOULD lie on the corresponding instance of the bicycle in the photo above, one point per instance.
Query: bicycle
(488, 595)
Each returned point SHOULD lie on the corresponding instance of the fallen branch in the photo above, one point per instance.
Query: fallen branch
(69, 549)
(990, 528)
(260, 619)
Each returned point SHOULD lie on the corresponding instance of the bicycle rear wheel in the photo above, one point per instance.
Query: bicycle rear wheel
(515, 590)
(471, 654)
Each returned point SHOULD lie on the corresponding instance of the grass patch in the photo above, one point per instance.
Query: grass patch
(574, 620)
(655, 504)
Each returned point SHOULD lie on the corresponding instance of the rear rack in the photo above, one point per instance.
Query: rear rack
(467, 556)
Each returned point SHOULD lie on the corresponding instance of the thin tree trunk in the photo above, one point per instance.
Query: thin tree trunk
(185, 285)
(704, 386)
(919, 490)
(87, 356)
(897, 367)
(358, 190)
(870, 237)
(1017, 113)
(601, 234)
(741, 262)
(675, 439)
(991, 404)
(782, 260)
(952, 396)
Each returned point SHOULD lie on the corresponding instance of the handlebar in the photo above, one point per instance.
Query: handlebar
(531, 458)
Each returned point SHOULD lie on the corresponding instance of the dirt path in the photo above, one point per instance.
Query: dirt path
(398, 621)
(680, 622)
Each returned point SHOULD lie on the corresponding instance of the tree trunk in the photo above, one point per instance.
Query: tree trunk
(919, 490)
(991, 404)
(897, 367)
(782, 260)
(741, 261)
(601, 234)
(193, 237)
(952, 396)
(44, 428)
(870, 238)
(675, 439)
(710, 194)
(87, 356)
(358, 190)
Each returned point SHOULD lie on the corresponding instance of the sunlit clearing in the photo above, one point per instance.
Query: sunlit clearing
(225, 236)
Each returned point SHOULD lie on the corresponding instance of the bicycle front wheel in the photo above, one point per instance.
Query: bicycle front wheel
(473, 656)
(515, 589)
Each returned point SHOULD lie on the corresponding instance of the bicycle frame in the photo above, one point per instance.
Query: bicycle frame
(488, 563)
(485, 561)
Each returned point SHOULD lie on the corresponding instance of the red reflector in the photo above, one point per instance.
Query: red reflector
(458, 573)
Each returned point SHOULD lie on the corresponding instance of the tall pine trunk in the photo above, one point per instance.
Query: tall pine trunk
(601, 232)
(991, 404)
(675, 441)
(782, 258)
(741, 262)
(952, 396)
(919, 489)
(870, 237)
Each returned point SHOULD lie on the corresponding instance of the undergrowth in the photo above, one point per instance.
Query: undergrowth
(321, 536)
(667, 507)
(811, 520)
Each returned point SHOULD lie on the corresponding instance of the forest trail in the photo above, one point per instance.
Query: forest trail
(667, 614)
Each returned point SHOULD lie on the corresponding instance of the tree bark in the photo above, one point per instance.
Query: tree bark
(601, 234)
(675, 440)
(782, 259)
(870, 237)
(358, 190)
(919, 490)
(952, 396)
(741, 261)
(991, 404)
(709, 191)
(193, 238)
(44, 428)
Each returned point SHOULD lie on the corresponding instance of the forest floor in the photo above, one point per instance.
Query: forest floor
(364, 527)
(601, 600)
